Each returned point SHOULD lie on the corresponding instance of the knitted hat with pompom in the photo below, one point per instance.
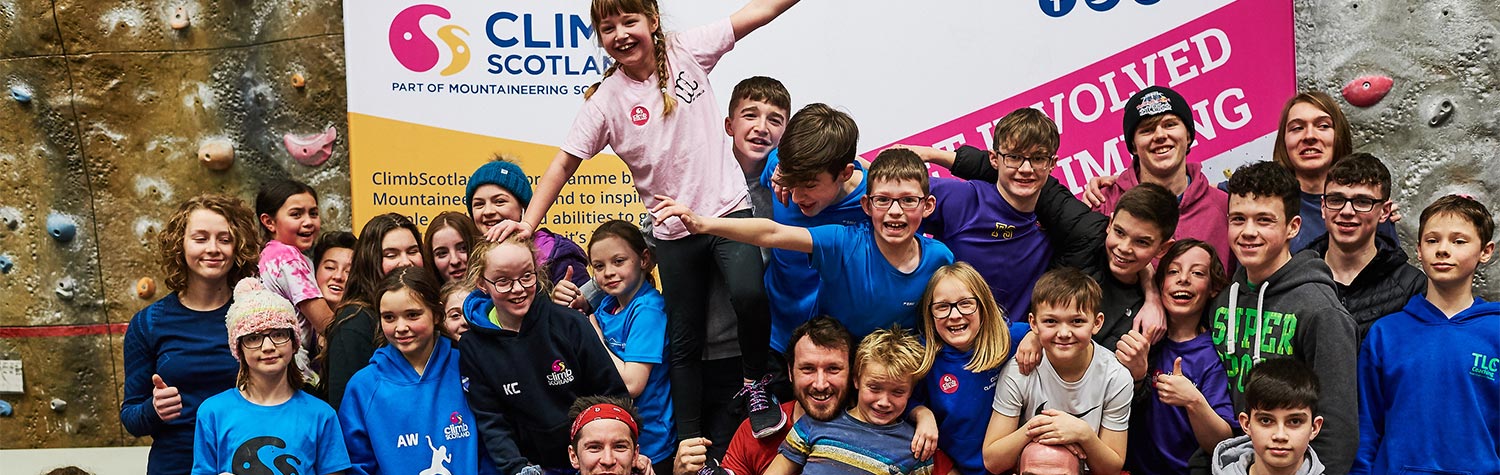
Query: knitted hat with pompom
(256, 309)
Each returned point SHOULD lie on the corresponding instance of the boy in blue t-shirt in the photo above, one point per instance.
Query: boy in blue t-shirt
(875, 272)
(871, 436)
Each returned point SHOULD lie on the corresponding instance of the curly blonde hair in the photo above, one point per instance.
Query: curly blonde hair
(247, 241)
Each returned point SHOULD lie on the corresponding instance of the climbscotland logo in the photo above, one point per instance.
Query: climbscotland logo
(416, 51)
(560, 374)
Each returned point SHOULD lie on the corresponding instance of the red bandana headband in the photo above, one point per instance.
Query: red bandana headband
(604, 411)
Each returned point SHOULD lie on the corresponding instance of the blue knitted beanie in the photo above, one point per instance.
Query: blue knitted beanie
(504, 174)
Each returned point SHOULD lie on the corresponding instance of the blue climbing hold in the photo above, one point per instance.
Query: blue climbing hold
(20, 94)
(61, 227)
(6, 265)
(5, 410)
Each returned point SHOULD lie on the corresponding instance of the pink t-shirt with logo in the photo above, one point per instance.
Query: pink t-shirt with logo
(289, 273)
(686, 156)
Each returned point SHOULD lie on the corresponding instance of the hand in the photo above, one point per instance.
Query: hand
(924, 442)
(566, 293)
(1093, 193)
(505, 229)
(165, 399)
(1055, 427)
(1176, 389)
(668, 208)
(642, 465)
(935, 156)
(1151, 319)
(1131, 351)
(781, 193)
(1395, 216)
(1028, 353)
(692, 454)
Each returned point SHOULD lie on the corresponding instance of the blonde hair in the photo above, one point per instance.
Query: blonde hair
(896, 349)
(478, 264)
(604, 8)
(991, 345)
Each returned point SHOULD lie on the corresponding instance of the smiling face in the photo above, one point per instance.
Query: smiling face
(821, 192)
(1280, 436)
(1259, 231)
(894, 224)
(333, 274)
(399, 248)
(1065, 331)
(208, 246)
(604, 447)
(407, 323)
(1185, 288)
(491, 204)
(756, 128)
(450, 254)
(296, 223)
(270, 360)
(510, 262)
(453, 315)
(1309, 139)
(1023, 183)
(880, 400)
(819, 377)
(1161, 143)
(1450, 250)
(627, 39)
(1131, 244)
(1349, 228)
(618, 268)
(957, 329)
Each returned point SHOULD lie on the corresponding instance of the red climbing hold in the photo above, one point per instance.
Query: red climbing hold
(1366, 91)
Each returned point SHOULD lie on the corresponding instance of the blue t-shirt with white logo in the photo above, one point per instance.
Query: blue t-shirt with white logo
(863, 290)
(234, 435)
(638, 334)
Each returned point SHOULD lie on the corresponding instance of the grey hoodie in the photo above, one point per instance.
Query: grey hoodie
(1301, 317)
(1234, 456)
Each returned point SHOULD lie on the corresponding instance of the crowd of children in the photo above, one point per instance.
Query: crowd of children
(912, 325)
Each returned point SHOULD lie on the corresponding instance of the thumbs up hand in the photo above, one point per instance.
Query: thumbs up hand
(165, 399)
(566, 293)
(1175, 389)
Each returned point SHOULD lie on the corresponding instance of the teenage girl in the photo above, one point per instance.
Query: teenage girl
(415, 370)
(656, 109)
(288, 212)
(500, 192)
(448, 240)
(452, 295)
(266, 424)
(387, 241)
(967, 342)
(175, 355)
(526, 360)
(632, 322)
(333, 255)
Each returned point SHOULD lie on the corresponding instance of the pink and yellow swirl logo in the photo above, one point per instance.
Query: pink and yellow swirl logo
(416, 52)
(558, 366)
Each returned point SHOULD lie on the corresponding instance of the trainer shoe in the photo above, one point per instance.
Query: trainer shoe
(765, 413)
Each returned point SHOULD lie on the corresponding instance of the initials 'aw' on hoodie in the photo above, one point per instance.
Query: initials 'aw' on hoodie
(1295, 313)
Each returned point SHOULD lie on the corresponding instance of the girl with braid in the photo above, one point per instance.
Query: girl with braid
(656, 110)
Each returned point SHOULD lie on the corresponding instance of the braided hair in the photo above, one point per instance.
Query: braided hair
(604, 8)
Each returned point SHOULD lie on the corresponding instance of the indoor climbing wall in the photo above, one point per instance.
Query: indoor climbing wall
(113, 113)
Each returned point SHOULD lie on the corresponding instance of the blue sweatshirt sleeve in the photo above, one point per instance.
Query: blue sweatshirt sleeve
(137, 412)
(356, 437)
(1371, 405)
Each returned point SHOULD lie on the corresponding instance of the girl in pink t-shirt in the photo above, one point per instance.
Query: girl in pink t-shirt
(656, 109)
(288, 212)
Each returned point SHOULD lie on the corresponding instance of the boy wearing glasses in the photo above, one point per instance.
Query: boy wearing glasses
(1370, 270)
(873, 273)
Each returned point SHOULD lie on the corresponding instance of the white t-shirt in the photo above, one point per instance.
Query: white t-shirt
(686, 156)
(1101, 397)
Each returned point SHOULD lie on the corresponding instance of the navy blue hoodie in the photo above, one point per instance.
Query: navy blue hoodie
(396, 421)
(520, 384)
(1429, 392)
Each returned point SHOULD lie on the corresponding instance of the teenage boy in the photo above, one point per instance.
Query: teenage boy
(873, 273)
(1279, 420)
(1434, 365)
(1370, 270)
(1284, 306)
(871, 437)
(758, 110)
(1079, 396)
(994, 226)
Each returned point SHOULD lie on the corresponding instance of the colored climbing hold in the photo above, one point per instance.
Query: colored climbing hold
(1366, 91)
(145, 288)
(21, 94)
(5, 410)
(61, 227)
(311, 150)
(298, 81)
(58, 404)
(180, 19)
(6, 265)
(216, 154)
(66, 288)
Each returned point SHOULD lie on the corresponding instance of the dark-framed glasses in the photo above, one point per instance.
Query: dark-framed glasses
(906, 202)
(1015, 161)
(278, 337)
(505, 284)
(965, 306)
(1361, 205)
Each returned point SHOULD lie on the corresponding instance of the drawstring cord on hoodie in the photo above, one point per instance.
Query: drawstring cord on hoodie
(1260, 318)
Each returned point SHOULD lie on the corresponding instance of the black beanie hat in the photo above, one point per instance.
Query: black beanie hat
(1152, 101)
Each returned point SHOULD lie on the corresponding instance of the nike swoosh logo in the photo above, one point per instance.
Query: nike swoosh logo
(1080, 415)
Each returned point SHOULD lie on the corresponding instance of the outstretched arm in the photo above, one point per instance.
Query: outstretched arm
(563, 166)
(759, 232)
(756, 14)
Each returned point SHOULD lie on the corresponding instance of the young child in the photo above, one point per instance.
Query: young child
(266, 422)
(967, 341)
(415, 372)
(632, 323)
(448, 240)
(1280, 418)
(657, 110)
(1284, 306)
(1184, 404)
(871, 436)
(333, 254)
(1435, 361)
(874, 274)
(1079, 396)
(288, 212)
(499, 192)
(758, 111)
(526, 360)
(452, 295)
(1369, 268)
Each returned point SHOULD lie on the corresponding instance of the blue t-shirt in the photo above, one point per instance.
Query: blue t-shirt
(638, 334)
(863, 290)
(301, 435)
(791, 282)
(848, 445)
(960, 400)
(1006, 246)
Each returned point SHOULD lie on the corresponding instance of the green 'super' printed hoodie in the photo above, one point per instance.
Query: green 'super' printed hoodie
(1294, 314)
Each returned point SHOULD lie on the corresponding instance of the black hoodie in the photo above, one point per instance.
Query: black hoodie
(1382, 287)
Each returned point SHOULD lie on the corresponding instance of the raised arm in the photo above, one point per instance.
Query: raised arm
(563, 166)
(756, 14)
(759, 232)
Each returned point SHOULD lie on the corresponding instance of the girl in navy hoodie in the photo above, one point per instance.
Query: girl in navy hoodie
(525, 360)
(417, 371)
